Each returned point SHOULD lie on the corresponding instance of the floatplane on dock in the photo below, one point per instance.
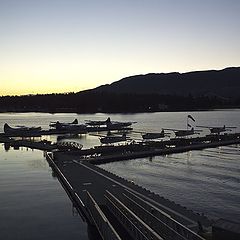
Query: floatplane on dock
(21, 129)
(71, 127)
(152, 135)
(218, 130)
(109, 123)
(113, 139)
(184, 132)
(58, 124)
(97, 123)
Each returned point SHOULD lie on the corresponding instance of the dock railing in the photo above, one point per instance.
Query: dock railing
(132, 223)
(68, 187)
(160, 221)
(104, 227)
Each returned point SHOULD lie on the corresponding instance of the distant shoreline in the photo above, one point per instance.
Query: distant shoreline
(116, 112)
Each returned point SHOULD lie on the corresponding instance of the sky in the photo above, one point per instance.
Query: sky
(57, 46)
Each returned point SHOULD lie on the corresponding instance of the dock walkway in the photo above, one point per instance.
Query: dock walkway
(118, 198)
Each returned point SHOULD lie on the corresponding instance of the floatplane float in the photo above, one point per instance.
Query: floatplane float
(217, 130)
(21, 129)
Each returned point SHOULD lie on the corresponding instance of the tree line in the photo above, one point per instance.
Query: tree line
(92, 102)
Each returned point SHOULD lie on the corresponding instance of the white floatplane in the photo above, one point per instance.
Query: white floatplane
(21, 129)
(217, 130)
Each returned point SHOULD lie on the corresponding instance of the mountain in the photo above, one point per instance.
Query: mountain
(220, 83)
(193, 91)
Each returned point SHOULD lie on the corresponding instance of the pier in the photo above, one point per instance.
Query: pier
(110, 153)
(118, 208)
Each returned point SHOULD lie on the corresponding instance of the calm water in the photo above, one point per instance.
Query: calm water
(33, 204)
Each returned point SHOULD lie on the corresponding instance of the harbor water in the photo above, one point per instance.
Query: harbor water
(33, 204)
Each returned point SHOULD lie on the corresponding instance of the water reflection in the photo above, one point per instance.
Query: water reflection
(27, 187)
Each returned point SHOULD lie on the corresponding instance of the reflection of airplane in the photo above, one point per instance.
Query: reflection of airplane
(217, 130)
(59, 124)
(183, 133)
(113, 139)
(156, 135)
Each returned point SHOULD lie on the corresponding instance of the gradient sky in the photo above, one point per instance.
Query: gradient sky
(71, 45)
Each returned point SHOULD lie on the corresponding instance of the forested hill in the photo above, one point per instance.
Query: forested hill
(201, 90)
(222, 83)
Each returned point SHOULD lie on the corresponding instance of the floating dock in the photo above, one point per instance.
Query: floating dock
(118, 208)
(106, 154)
(122, 209)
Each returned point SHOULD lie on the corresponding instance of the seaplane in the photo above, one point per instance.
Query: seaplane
(71, 127)
(109, 139)
(217, 130)
(152, 135)
(21, 129)
(185, 132)
(60, 124)
(98, 123)
(109, 123)
(118, 125)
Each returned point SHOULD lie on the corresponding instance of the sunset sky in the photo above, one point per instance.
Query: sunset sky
(70, 45)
